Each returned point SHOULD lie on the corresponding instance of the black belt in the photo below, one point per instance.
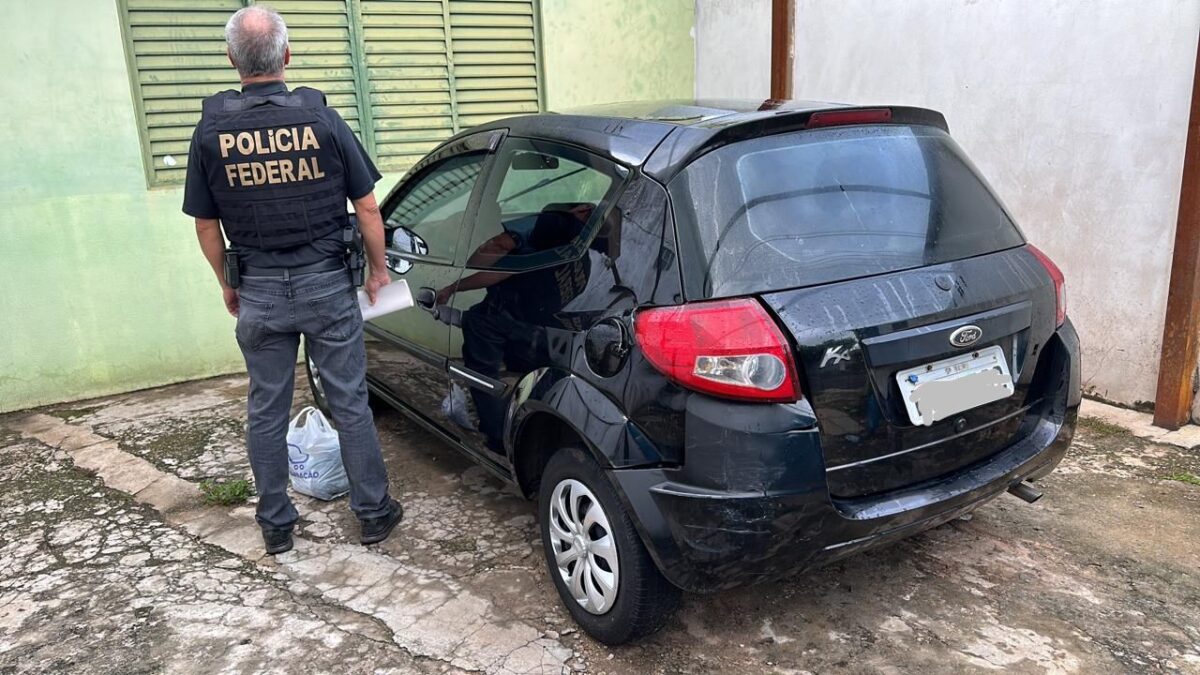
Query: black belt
(330, 265)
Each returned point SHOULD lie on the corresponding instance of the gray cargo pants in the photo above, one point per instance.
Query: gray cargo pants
(273, 313)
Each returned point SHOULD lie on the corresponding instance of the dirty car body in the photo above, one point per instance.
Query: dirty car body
(781, 332)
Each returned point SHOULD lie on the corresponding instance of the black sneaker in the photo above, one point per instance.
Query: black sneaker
(277, 541)
(375, 530)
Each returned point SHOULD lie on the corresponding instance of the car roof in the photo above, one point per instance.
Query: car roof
(663, 136)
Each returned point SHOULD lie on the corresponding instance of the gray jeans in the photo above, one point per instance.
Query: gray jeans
(274, 312)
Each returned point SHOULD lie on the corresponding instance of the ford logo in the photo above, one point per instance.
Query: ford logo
(966, 336)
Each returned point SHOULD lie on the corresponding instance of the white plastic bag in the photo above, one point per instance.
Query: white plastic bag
(454, 407)
(315, 456)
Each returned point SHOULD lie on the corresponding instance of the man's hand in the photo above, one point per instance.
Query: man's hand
(370, 223)
(231, 300)
(443, 296)
(376, 281)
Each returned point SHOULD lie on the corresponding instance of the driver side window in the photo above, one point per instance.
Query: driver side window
(543, 205)
(427, 219)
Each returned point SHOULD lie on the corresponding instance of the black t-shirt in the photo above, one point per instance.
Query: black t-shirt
(361, 176)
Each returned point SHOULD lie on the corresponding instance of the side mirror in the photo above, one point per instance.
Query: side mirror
(533, 161)
(405, 240)
(400, 241)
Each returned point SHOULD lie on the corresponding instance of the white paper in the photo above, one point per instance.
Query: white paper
(391, 298)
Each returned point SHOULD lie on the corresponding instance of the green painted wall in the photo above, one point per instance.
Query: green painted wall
(604, 51)
(102, 286)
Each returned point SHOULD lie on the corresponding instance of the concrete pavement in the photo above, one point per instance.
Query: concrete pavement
(110, 562)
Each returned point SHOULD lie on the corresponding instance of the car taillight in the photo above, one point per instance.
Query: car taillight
(1060, 283)
(834, 118)
(728, 348)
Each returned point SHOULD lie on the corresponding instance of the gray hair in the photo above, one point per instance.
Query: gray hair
(257, 39)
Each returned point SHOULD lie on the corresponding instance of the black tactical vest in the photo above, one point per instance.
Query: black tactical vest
(275, 173)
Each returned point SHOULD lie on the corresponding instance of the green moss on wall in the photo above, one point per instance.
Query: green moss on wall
(103, 290)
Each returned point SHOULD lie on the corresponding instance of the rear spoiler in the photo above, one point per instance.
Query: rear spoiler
(687, 144)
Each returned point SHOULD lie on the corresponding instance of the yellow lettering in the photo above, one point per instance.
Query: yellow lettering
(244, 174)
(230, 169)
(259, 172)
(279, 140)
(226, 142)
(245, 143)
(285, 171)
(317, 172)
(302, 170)
(272, 171)
(309, 140)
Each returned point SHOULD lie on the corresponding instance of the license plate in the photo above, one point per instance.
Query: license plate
(940, 389)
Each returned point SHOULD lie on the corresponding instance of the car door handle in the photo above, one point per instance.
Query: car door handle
(426, 297)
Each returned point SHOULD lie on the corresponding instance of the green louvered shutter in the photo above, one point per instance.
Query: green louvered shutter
(177, 57)
(409, 73)
(438, 66)
(494, 52)
(176, 53)
(424, 68)
(319, 33)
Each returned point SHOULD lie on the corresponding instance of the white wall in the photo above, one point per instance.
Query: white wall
(1075, 110)
(733, 49)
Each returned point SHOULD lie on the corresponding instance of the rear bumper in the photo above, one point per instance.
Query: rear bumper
(752, 504)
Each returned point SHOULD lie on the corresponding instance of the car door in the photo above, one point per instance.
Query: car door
(532, 250)
(424, 224)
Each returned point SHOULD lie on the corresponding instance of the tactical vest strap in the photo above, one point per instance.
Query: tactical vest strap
(247, 102)
(313, 98)
(216, 103)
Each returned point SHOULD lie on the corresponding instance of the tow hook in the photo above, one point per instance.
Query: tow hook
(1025, 491)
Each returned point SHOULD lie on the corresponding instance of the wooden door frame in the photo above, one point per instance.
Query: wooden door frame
(1177, 361)
(783, 48)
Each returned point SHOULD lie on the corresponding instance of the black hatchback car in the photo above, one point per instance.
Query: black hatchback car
(722, 342)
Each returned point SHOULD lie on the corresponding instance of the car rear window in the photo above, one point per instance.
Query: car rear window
(813, 207)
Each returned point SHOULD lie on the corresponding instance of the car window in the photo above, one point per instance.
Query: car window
(812, 207)
(543, 205)
(427, 219)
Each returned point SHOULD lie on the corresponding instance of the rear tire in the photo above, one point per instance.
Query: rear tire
(582, 521)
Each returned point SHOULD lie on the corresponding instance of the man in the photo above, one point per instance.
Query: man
(273, 168)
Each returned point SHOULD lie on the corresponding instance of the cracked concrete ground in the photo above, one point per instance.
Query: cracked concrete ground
(111, 563)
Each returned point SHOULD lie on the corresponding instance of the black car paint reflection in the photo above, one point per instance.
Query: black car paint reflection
(512, 335)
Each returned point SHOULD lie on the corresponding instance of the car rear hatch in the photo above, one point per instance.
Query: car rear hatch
(916, 310)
